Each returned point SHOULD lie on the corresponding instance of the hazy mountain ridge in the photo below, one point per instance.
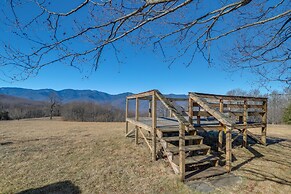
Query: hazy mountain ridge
(71, 95)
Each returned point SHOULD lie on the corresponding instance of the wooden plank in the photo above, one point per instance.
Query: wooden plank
(253, 125)
(201, 114)
(130, 132)
(140, 124)
(182, 151)
(136, 134)
(209, 127)
(126, 127)
(177, 99)
(145, 139)
(218, 115)
(136, 109)
(188, 137)
(198, 159)
(170, 157)
(198, 147)
(227, 97)
(190, 109)
(245, 121)
(209, 172)
(141, 95)
(228, 145)
(220, 133)
(154, 127)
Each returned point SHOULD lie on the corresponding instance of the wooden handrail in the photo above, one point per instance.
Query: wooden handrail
(218, 115)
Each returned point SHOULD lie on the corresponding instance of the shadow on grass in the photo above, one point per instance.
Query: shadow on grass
(64, 187)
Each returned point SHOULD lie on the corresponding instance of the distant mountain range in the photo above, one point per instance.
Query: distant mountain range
(67, 95)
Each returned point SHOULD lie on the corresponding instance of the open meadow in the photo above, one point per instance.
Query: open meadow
(44, 156)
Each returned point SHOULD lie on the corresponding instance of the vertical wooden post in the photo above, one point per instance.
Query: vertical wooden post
(264, 121)
(136, 118)
(126, 116)
(245, 119)
(228, 156)
(170, 113)
(220, 133)
(190, 110)
(198, 117)
(154, 127)
(182, 151)
(150, 108)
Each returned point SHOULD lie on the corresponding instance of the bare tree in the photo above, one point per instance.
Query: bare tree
(53, 103)
(254, 34)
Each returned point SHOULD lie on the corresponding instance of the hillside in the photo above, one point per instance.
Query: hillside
(70, 95)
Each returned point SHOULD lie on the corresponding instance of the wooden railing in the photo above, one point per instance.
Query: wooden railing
(184, 125)
(240, 107)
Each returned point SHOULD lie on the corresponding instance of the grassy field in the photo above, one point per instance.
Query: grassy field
(43, 156)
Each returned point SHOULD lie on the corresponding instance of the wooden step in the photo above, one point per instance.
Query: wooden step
(176, 138)
(198, 147)
(199, 159)
(172, 129)
(205, 173)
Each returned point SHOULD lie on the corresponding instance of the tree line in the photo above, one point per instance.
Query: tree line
(74, 111)
(279, 109)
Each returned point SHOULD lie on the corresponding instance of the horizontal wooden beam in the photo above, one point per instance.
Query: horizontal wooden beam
(141, 95)
(227, 97)
(201, 113)
(139, 124)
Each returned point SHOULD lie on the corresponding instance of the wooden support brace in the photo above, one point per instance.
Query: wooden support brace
(145, 139)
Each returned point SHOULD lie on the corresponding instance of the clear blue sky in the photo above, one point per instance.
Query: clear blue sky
(139, 71)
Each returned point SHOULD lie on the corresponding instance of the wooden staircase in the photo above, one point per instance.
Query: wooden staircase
(188, 156)
(199, 162)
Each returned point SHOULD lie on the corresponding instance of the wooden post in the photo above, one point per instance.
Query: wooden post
(245, 119)
(150, 108)
(154, 127)
(264, 121)
(190, 110)
(228, 156)
(220, 133)
(182, 151)
(198, 117)
(126, 116)
(170, 113)
(136, 118)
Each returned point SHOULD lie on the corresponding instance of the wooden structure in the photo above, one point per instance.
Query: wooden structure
(178, 136)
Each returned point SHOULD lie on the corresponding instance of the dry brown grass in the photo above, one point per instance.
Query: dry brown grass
(97, 158)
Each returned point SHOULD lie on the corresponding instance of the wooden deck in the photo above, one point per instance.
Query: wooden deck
(177, 134)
